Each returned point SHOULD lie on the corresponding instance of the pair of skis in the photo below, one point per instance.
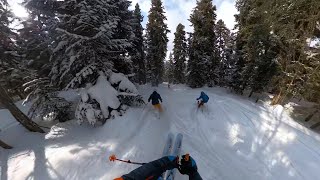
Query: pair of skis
(171, 148)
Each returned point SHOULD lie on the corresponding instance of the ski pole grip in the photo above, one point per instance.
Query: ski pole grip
(112, 157)
(187, 157)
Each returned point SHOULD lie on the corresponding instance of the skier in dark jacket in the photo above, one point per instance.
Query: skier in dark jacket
(202, 99)
(154, 170)
(155, 99)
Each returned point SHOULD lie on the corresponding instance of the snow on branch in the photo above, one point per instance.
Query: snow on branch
(73, 35)
(80, 75)
(127, 94)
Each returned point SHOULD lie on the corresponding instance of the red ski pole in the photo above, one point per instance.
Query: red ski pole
(114, 158)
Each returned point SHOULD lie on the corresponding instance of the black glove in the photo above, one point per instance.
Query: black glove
(188, 165)
(173, 162)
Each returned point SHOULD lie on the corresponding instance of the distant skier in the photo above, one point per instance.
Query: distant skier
(202, 99)
(155, 99)
(153, 170)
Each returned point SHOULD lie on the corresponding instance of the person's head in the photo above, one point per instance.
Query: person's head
(202, 93)
(154, 91)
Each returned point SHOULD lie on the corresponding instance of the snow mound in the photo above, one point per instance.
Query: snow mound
(125, 84)
(105, 94)
(115, 78)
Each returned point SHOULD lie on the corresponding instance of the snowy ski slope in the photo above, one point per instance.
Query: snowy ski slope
(231, 139)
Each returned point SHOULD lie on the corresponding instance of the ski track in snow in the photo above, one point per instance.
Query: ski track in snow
(231, 138)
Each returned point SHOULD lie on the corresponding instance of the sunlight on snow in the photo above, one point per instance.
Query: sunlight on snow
(233, 134)
(271, 128)
(283, 158)
(279, 157)
(17, 9)
(285, 136)
(111, 146)
(129, 153)
(50, 116)
(56, 132)
(20, 160)
(254, 145)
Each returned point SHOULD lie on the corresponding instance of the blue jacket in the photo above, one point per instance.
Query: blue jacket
(203, 97)
(155, 97)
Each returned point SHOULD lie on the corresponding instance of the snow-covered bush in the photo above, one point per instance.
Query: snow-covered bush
(128, 93)
(46, 104)
(102, 101)
(89, 109)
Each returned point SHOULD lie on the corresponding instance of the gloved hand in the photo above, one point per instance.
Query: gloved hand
(188, 165)
(173, 162)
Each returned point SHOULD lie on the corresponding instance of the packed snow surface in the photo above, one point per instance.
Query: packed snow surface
(232, 138)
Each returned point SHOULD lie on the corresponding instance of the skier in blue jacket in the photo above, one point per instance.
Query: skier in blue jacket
(202, 99)
(154, 170)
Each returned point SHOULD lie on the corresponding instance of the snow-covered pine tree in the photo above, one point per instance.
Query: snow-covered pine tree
(171, 69)
(8, 62)
(259, 48)
(11, 76)
(46, 104)
(123, 62)
(230, 63)
(236, 81)
(192, 64)
(36, 41)
(13, 67)
(273, 32)
(36, 37)
(165, 74)
(137, 54)
(86, 42)
(93, 41)
(311, 91)
(157, 40)
(223, 38)
(179, 54)
(294, 24)
(204, 57)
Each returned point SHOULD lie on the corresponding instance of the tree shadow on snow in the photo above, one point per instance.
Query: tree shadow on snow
(61, 140)
(270, 148)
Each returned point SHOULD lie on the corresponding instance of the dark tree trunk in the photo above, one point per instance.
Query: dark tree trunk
(17, 114)
(250, 93)
(310, 116)
(5, 145)
(315, 125)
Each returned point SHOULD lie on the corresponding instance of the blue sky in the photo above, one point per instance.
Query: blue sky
(178, 11)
